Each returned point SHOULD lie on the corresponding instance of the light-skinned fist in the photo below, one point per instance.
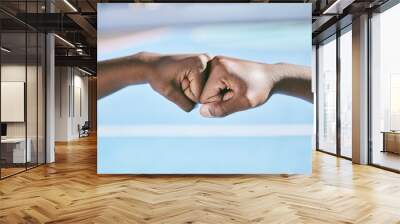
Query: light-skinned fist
(234, 85)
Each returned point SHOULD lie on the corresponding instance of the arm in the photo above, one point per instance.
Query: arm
(118, 73)
(179, 78)
(235, 85)
(294, 80)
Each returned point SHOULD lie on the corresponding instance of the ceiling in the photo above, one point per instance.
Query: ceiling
(76, 22)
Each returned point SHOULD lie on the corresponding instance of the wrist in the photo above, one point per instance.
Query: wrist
(273, 72)
(291, 71)
(142, 66)
(290, 79)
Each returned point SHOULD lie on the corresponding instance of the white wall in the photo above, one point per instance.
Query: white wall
(62, 81)
(17, 73)
(71, 87)
(33, 126)
(14, 73)
(13, 101)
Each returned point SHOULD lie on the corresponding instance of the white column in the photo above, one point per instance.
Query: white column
(360, 90)
(50, 99)
(50, 92)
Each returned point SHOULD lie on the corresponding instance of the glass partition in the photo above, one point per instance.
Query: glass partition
(22, 78)
(346, 92)
(32, 85)
(31, 100)
(327, 96)
(14, 153)
(41, 107)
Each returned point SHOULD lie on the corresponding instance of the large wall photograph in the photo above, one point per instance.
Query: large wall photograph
(204, 88)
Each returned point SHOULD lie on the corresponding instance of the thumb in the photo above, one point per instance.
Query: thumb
(224, 108)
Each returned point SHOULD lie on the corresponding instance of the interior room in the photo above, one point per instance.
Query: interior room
(22, 102)
(52, 122)
(384, 90)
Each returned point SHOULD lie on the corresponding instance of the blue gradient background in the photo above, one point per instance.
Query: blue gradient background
(270, 42)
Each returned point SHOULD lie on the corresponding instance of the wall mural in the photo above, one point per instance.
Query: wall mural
(204, 88)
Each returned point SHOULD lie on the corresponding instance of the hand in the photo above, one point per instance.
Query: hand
(235, 85)
(179, 78)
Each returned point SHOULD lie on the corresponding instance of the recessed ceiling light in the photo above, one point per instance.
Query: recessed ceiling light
(64, 40)
(5, 50)
(70, 5)
(84, 71)
(337, 7)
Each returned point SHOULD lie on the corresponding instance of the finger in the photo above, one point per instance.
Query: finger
(178, 97)
(193, 83)
(213, 87)
(196, 84)
(227, 96)
(192, 86)
(223, 95)
(224, 108)
(185, 85)
(215, 98)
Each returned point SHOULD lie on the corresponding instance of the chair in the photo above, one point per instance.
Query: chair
(84, 130)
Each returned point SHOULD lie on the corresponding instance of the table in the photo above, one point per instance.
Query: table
(13, 150)
(391, 141)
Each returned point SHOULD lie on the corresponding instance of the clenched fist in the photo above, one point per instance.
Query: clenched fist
(235, 85)
(179, 78)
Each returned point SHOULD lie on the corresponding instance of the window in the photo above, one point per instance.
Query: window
(385, 89)
(22, 88)
(346, 92)
(327, 96)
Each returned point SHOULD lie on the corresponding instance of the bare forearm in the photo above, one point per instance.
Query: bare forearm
(293, 80)
(118, 73)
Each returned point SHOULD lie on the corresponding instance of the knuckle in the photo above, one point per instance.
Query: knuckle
(205, 57)
(217, 63)
(218, 59)
(197, 63)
